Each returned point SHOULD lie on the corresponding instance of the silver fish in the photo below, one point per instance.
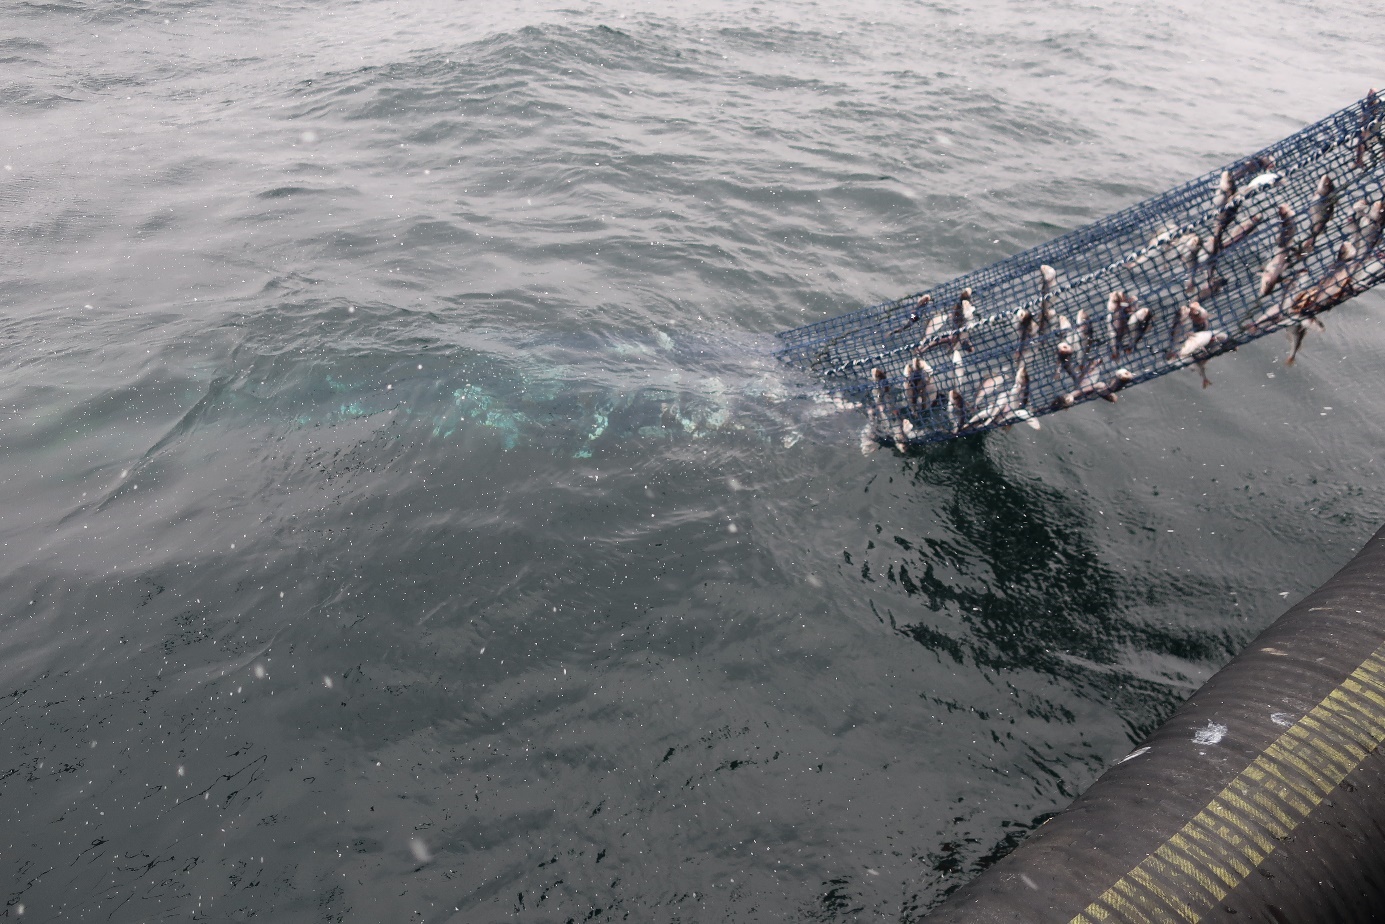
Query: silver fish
(1197, 315)
(882, 396)
(1013, 403)
(1274, 269)
(1066, 351)
(1140, 321)
(963, 313)
(1260, 181)
(1276, 313)
(920, 390)
(1026, 326)
(1214, 284)
(1241, 231)
(1190, 250)
(956, 410)
(1319, 213)
(1369, 227)
(1296, 335)
(1091, 385)
(1198, 347)
(1121, 378)
(1196, 342)
(1017, 401)
(1370, 127)
(1226, 190)
(1048, 281)
(989, 386)
(1259, 164)
(1086, 336)
(915, 315)
(1227, 204)
(933, 328)
(1162, 239)
(1019, 394)
(1178, 330)
(1335, 288)
(1118, 311)
(1359, 209)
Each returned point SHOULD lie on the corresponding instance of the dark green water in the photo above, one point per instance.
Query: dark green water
(401, 520)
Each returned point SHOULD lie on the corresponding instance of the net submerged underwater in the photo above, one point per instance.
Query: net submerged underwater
(1266, 244)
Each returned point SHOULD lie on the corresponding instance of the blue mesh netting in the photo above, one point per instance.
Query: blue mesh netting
(1266, 244)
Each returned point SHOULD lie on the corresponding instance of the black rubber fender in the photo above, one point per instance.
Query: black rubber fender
(1261, 799)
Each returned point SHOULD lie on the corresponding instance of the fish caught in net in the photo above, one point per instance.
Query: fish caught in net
(1267, 244)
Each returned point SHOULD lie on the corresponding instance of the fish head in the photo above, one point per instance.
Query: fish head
(1226, 188)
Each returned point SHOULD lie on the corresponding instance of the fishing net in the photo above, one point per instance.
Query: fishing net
(1267, 244)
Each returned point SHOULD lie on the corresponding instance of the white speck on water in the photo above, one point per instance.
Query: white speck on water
(420, 850)
(124, 472)
(93, 744)
(327, 682)
(19, 908)
(731, 528)
(483, 649)
(872, 872)
(1029, 882)
(259, 671)
(308, 137)
(182, 771)
(1212, 734)
(351, 310)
